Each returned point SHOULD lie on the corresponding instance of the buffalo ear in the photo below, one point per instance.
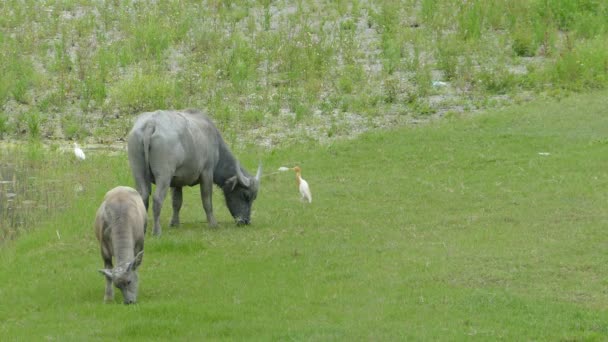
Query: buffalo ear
(231, 182)
(106, 272)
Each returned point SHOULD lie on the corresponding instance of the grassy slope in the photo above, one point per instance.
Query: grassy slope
(81, 69)
(449, 231)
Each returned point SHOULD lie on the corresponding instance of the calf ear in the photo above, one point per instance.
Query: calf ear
(136, 262)
(107, 273)
(231, 183)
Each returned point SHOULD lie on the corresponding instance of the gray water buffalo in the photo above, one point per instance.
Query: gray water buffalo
(119, 226)
(184, 148)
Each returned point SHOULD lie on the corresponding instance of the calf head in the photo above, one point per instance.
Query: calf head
(124, 277)
(240, 191)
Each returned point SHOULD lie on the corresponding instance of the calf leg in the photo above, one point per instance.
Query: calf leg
(176, 195)
(206, 191)
(109, 293)
(162, 186)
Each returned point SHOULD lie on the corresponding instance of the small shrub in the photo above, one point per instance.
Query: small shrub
(523, 43)
(241, 64)
(21, 77)
(144, 92)
(471, 19)
(348, 25)
(72, 129)
(301, 111)
(466, 73)
(429, 11)
(222, 114)
(253, 116)
(5, 89)
(424, 81)
(448, 51)
(92, 92)
(4, 126)
(391, 53)
(150, 39)
(496, 81)
(51, 102)
(584, 67)
(351, 79)
(421, 108)
(588, 25)
(392, 89)
(332, 130)
(34, 123)
(19, 91)
(274, 106)
(267, 17)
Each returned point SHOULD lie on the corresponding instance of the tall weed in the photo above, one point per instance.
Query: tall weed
(144, 91)
(471, 20)
(34, 121)
(4, 125)
(448, 52)
(583, 67)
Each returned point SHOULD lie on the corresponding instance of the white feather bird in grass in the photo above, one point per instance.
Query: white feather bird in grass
(79, 152)
(303, 185)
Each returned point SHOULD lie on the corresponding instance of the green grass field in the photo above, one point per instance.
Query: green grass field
(484, 227)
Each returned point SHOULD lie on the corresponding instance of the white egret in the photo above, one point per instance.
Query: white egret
(303, 185)
(79, 152)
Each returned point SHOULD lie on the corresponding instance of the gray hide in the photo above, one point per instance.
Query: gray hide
(119, 226)
(184, 148)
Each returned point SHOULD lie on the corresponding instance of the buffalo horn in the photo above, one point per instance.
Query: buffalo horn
(258, 174)
(241, 177)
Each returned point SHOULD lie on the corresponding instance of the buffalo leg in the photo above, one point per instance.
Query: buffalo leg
(206, 192)
(144, 184)
(145, 196)
(176, 195)
(144, 192)
(159, 196)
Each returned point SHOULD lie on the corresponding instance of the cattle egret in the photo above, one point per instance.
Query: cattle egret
(78, 152)
(303, 185)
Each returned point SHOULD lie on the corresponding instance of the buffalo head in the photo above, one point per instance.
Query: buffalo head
(124, 277)
(240, 191)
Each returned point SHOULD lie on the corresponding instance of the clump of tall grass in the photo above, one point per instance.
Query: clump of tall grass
(31, 187)
(143, 92)
(583, 67)
(4, 125)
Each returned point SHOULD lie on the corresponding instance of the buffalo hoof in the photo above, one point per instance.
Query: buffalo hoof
(241, 222)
